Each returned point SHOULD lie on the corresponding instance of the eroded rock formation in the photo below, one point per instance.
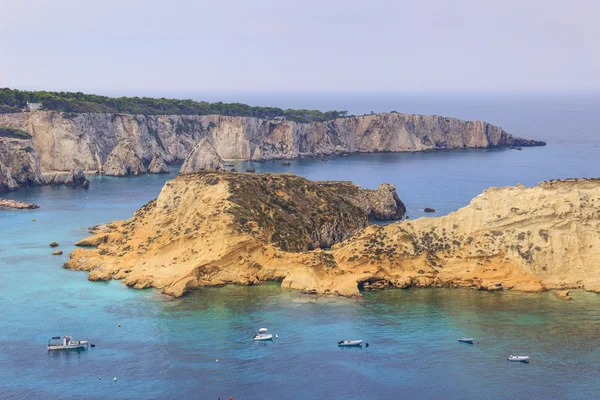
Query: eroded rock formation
(203, 156)
(123, 161)
(19, 162)
(209, 229)
(158, 165)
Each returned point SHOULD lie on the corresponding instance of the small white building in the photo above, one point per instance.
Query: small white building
(33, 106)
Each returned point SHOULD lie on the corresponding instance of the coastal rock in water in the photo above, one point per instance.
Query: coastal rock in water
(202, 157)
(77, 178)
(7, 182)
(54, 244)
(429, 210)
(19, 205)
(251, 170)
(563, 294)
(286, 163)
(19, 161)
(158, 165)
(123, 161)
(208, 229)
(87, 139)
(57, 253)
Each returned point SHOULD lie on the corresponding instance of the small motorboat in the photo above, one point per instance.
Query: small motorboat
(466, 340)
(523, 359)
(349, 343)
(66, 343)
(263, 335)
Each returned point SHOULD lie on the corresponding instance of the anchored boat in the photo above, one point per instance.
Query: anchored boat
(349, 343)
(263, 335)
(466, 340)
(523, 359)
(66, 343)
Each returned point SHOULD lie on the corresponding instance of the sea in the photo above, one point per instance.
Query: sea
(149, 346)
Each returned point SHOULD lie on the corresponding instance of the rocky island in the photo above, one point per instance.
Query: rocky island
(213, 228)
(144, 135)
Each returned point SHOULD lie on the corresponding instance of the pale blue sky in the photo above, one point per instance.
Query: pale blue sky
(149, 46)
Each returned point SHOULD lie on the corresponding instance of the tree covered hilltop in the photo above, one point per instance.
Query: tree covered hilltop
(14, 101)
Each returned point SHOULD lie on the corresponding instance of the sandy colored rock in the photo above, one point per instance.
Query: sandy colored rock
(57, 252)
(209, 229)
(563, 294)
(54, 244)
(123, 161)
(158, 165)
(19, 163)
(202, 157)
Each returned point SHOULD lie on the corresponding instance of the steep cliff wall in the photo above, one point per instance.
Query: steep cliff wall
(214, 228)
(66, 141)
(19, 162)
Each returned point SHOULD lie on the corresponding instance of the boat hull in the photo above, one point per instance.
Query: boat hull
(62, 347)
(350, 343)
(262, 338)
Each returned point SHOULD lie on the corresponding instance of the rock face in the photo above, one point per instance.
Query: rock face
(77, 178)
(202, 157)
(158, 165)
(123, 161)
(56, 179)
(19, 163)
(213, 228)
(66, 141)
(382, 204)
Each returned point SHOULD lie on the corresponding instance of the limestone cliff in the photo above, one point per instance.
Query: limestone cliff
(123, 161)
(214, 228)
(158, 165)
(203, 156)
(19, 161)
(66, 140)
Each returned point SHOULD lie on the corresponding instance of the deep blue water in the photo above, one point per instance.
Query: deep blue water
(166, 348)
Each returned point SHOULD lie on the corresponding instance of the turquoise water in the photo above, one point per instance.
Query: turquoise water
(166, 348)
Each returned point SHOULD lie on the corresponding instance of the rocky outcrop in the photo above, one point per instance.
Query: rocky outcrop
(202, 157)
(56, 179)
(66, 141)
(563, 295)
(158, 165)
(382, 204)
(19, 205)
(76, 178)
(19, 162)
(215, 228)
(123, 161)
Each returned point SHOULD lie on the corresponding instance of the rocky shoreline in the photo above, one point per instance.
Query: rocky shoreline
(213, 228)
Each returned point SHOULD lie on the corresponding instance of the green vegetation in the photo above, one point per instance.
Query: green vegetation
(13, 133)
(12, 100)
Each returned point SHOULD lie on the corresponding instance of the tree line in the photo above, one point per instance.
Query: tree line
(12, 100)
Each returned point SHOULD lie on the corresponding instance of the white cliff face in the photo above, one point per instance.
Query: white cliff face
(203, 156)
(123, 161)
(158, 165)
(66, 141)
(19, 164)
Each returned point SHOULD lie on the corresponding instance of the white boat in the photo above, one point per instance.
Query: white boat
(263, 335)
(524, 359)
(66, 343)
(348, 343)
(466, 340)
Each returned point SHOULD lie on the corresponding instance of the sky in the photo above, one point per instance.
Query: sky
(133, 47)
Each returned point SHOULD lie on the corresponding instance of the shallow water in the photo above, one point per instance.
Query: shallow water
(166, 348)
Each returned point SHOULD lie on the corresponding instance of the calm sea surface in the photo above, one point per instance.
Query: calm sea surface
(167, 348)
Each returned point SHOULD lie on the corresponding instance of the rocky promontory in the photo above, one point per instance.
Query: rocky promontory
(66, 141)
(19, 205)
(19, 160)
(123, 161)
(158, 165)
(210, 228)
(203, 156)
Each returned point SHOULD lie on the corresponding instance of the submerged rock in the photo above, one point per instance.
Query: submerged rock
(429, 210)
(202, 157)
(123, 161)
(158, 165)
(54, 244)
